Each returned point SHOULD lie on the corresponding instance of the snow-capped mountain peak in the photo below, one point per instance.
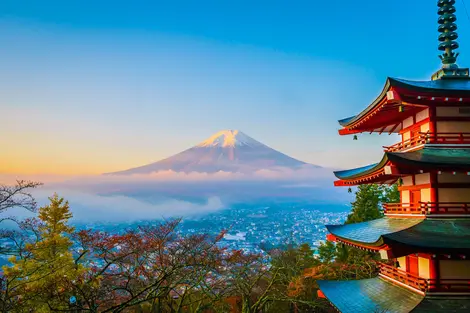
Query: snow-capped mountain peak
(229, 138)
(226, 151)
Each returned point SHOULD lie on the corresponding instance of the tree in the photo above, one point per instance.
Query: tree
(368, 202)
(18, 196)
(327, 252)
(40, 276)
(152, 269)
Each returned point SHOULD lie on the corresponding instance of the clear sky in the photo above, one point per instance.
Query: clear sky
(98, 86)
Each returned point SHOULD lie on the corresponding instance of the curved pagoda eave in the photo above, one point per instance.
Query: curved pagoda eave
(371, 233)
(396, 164)
(424, 235)
(380, 295)
(378, 114)
(369, 295)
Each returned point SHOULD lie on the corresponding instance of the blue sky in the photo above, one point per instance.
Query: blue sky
(99, 86)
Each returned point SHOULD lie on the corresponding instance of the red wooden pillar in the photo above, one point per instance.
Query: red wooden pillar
(434, 274)
(432, 124)
(434, 192)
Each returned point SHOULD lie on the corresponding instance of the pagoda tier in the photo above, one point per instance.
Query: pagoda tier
(403, 99)
(398, 164)
(397, 237)
(424, 240)
(382, 295)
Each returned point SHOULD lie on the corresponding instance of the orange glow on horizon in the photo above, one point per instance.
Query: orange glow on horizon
(63, 167)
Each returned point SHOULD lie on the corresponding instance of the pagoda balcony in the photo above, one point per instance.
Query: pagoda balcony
(427, 208)
(430, 138)
(461, 286)
(403, 277)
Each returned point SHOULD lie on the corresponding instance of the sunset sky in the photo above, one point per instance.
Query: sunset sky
(98, 86)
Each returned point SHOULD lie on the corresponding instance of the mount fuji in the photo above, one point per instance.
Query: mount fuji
(228, 151)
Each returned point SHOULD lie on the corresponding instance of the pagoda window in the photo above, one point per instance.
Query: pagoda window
(423, 267)
(401, 263)
(405, 197)
(424, 128)
(426, 195)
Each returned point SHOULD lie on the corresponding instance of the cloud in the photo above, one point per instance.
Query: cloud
(165, 194)
(306, 173)
(88, 207)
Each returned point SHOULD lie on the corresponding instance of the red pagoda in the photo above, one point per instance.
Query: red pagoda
(427, 234)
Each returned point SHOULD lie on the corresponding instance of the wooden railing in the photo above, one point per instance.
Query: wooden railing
(430, 138)
(404, 208)
(403, 277)
(425, 285)
(426, 208)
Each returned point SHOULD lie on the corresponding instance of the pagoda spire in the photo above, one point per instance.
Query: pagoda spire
(447, 38)
(447, 28)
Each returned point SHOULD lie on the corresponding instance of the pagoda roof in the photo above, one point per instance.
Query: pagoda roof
(448, 234)
(379, 295)
(377, 116)
(372, 232)
(369, 295)
(423, 159)
(433, 235)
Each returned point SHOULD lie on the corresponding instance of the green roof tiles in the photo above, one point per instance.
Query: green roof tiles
(369, 295)
(443, 158)
(430, 234)
(379, 295)
(446, 234)
(435, 158)
(371, 232)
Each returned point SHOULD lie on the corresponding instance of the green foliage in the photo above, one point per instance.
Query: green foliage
(133, 271)
(327, 252)
(368, 202)
(42, 276)
(392, 195)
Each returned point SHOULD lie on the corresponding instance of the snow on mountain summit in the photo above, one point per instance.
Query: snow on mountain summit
(229, 138)
(227, 151)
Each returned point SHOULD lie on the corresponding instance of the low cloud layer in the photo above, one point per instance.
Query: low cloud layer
(280, 173)
(88, 207)
(166, 194)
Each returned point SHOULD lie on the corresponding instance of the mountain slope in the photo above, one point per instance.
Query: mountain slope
(228, 151)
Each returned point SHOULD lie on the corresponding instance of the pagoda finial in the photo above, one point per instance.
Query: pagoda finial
(448, 43)
(448, 35)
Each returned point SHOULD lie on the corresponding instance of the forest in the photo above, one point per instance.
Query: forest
(52, 267)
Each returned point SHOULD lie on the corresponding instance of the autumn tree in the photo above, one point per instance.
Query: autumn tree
(298, 289)
(18, 195)
(151, 269)
(39, 277)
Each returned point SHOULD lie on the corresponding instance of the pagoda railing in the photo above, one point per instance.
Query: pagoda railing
(423, 284)
(403, 277)
(427, 208)
(430, 138)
